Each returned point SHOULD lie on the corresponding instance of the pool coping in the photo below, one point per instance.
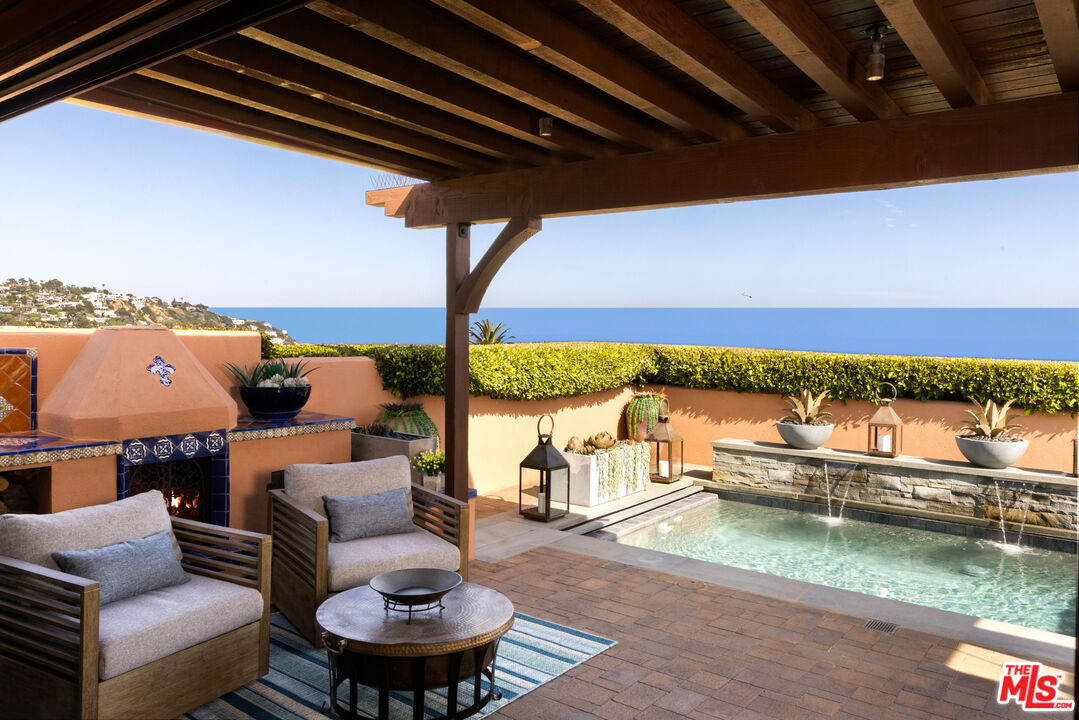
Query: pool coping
(1028, 643)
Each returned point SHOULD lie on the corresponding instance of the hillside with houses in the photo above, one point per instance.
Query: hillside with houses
(51, 303)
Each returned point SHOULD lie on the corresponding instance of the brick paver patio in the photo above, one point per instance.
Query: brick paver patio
(692, 649)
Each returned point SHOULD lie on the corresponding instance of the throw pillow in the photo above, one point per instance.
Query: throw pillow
(128, 568)
(352, 518)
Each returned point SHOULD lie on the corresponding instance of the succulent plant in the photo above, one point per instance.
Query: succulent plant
(806, 409)
(378, 429)
(645, 407)
(408, 417)
(275, 373)
(990, 420)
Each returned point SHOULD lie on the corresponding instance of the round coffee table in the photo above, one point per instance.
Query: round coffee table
(368, 644)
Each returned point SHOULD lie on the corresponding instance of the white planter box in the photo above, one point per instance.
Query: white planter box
(593, 479)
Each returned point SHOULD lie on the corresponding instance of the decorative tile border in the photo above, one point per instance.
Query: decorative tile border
(165, 448)
(53, 455)
(288, 430)
(32, 354)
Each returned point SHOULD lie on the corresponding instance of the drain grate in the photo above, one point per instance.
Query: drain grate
(614, 565)
(881, 626)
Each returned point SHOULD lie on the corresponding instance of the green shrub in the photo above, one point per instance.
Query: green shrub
(539, 371)
(1051, 387)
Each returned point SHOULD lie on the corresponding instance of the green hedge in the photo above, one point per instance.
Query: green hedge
(538, 371)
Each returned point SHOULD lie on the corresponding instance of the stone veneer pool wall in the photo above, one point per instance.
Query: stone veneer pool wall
(905, 486)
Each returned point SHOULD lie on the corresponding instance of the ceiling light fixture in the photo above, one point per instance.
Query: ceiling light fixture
(546, 127)
(874, 67)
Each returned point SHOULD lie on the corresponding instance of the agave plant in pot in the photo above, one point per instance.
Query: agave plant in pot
(806, 428)
(988, 443)
(274, 390)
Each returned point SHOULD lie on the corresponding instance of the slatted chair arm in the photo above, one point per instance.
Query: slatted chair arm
(300, 538)
(237, 556)
(49, 619)
(444, 516)
(296, 513)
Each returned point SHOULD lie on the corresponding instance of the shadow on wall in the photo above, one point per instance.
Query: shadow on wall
(929, 431)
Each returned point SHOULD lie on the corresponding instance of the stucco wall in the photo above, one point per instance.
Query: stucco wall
(501, 432)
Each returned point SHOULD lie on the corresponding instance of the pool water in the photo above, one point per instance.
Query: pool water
(1033, 588)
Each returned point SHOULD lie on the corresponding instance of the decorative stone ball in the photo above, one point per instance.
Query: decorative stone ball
(601, 440)
(575, 445)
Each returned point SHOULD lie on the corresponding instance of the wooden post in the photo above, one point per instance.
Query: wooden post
(456, 422)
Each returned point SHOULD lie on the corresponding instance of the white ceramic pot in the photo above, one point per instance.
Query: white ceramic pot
(804, 437)
(995, 454)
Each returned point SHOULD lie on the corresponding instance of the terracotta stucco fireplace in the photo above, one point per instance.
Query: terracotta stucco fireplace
(121, 410)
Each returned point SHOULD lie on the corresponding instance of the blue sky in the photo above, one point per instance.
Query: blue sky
(98, 198)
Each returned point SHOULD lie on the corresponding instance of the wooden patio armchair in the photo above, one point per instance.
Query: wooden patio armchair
(49, 647)
(301, 558)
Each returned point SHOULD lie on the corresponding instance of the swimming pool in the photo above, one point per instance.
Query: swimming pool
(1033, 588)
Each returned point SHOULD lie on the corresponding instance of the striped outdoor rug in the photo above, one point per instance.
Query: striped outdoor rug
(533, 652)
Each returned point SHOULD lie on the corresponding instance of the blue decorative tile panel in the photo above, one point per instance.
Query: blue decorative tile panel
(168, 448)
(165, 448)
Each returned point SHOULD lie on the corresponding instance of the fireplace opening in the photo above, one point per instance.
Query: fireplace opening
(23, 489)
(186, 485)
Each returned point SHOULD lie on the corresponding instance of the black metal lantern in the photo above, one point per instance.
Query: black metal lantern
(553, 482)
(885, 427)
(666, 464)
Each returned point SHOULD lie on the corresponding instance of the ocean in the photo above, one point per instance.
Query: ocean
(1022, 333)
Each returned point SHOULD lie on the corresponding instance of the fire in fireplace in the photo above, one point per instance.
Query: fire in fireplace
(184, 483)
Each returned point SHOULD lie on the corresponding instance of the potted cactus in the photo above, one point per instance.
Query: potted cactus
(988, 443)
(806, 428)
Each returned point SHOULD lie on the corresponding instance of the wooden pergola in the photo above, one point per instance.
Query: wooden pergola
(516, 110)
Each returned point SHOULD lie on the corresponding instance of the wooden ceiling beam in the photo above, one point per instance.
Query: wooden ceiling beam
(264, 123)
(104, 98)
(1060, 23)
(797, 32)
(329, 43)
(937, 47)
(669, 32)
(241, 89)
(169, 30)
(981, 142)
(255, 60)
(31, 33)
(536, 29)
(409, 25)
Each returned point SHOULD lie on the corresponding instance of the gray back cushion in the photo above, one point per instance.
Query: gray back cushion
(126, 569)
(307, 484)
(34, 538)
(352, 518)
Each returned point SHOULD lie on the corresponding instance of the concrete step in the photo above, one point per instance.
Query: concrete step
(599, 523)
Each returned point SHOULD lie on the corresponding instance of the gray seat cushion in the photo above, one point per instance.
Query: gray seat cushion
(128, 568)
(368, 515)
(306, 484)
(34, 538)
(355, 562)
(138, 630)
